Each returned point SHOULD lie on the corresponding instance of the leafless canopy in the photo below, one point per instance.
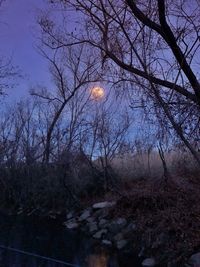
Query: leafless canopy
(152, 44)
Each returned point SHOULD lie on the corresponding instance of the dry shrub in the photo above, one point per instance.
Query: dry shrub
(140, 165)
(167, 216)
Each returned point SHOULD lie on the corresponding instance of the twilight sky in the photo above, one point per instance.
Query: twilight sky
(18, 32)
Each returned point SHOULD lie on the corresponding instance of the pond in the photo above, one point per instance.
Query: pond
(33, 242)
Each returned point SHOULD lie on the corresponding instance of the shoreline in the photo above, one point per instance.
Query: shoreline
(146, 222)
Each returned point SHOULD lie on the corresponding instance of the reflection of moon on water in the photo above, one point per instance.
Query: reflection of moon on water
(97, 93)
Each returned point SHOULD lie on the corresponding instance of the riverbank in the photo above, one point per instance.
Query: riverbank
(156, 220)
(32, 241)
(159, 221)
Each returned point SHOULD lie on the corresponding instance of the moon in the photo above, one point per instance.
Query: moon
(97, 92)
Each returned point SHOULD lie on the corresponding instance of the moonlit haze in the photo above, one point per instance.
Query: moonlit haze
(97, 93)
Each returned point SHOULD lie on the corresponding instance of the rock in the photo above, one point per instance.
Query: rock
(149, 262)
(118, 237)
(20, 211)
(52, 216)
(141, 253)
(194, 260)
(102, 205)
(71, 225)
(117, 225)
(93, 227)
(100, 233)
(114, 229)
(100, 213)
(106, 242)
(103, 222)
(84, 215)
(121, 221)
(69, 216)
(73, 220)
(129, 230)
(90, 219)
(121, 243)
(131, 227)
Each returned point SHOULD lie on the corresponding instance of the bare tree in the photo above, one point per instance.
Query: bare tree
(26, 113)
(153, 44)
(7, 75)
(71, 72)
(107, 130)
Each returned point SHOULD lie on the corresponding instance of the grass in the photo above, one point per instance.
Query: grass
(142, 165)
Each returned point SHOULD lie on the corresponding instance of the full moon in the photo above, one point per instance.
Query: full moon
(97, 92)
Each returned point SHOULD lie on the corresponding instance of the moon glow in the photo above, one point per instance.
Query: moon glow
(97, 93)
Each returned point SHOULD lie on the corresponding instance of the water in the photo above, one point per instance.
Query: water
(49, 239)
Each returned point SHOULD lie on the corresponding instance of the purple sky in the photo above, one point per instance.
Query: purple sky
(17, 30)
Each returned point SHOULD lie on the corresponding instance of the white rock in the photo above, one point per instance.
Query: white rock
(102, 222)
(194, 260)
(131, 227)
(100, 213)
(20, 211)
(84, 215)
(121, 221)
(102, 205)
(71, 225)
(121, 243)
(117, 225)
(90, 219)
(106, 242)
(149, 262)
(93, 227)
(99, 234)
(69, 215)
(141, 253)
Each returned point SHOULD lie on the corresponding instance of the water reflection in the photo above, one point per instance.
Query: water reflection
(97, 261)
(48, 239)
(99, 258)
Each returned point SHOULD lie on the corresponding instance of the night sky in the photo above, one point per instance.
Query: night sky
(18, 35)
